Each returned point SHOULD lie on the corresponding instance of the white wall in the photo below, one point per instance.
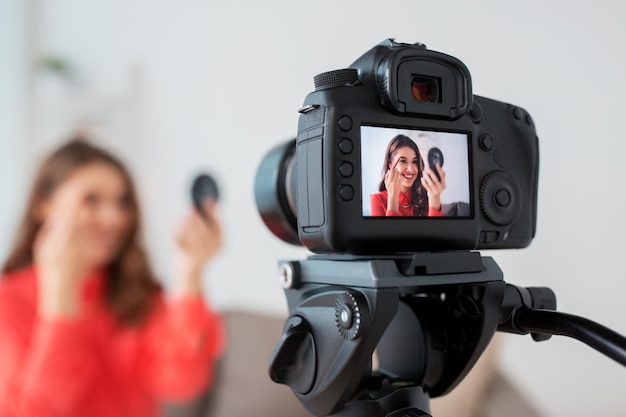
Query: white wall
(13, 93)
(178, 86)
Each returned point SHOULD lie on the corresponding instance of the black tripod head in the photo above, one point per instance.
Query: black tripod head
(427, 317)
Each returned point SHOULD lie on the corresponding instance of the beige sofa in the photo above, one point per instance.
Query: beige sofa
(243, 387)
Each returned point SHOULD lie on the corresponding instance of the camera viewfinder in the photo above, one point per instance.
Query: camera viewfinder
(425, 89)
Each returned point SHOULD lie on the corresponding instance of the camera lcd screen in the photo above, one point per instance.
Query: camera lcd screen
(416, 173)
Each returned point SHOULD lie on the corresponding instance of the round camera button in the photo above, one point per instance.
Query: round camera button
(345, 123)
(346, 192)
(518, 113)
(345, 146)
(476, 113)
(503, 197)
(346, 169)
(486, 142)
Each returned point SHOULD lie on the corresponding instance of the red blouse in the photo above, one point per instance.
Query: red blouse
(379, 206)
(95, 366)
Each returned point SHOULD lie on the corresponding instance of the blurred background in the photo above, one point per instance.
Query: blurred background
(178, 87)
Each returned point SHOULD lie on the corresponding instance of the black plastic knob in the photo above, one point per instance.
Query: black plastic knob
(294, 361)
(500, 198)
(336, 78)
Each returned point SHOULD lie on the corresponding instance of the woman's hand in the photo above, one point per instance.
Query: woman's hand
(434, 186)
(393, 179)
(59, 254)
(199, 239)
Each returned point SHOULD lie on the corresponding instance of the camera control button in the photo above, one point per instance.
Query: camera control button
(345, 145)
(503, 197)
(486, 142)
(500, 198)
(346, 192)
(476, 113)
(518, 113)
(315, 132)
(346, 169)
(488, 237)
(346, 77)
(345, 123)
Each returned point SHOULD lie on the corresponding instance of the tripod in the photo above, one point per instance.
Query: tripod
(427, 317)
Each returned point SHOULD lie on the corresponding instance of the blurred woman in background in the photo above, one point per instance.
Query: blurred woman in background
(85, 328)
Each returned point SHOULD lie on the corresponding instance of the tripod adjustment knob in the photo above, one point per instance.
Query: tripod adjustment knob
(348, 315)
(294, 361)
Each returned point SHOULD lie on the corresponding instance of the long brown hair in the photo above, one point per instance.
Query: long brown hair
(130, 282)
(419, 198)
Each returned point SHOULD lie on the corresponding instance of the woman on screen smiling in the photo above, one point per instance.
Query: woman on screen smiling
(408, 188)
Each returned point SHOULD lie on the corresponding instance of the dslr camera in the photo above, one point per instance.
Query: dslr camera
(320, 189)
(397, 175)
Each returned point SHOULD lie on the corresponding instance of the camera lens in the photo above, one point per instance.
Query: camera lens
(424, 89)
(274, 192)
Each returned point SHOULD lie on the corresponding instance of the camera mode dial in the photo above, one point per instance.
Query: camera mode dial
(500, 198)
(338, 78)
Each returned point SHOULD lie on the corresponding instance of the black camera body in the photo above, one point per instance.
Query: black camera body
(396, 274)
(332, 173)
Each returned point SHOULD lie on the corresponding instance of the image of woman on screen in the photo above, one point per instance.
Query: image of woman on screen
(408, 187)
